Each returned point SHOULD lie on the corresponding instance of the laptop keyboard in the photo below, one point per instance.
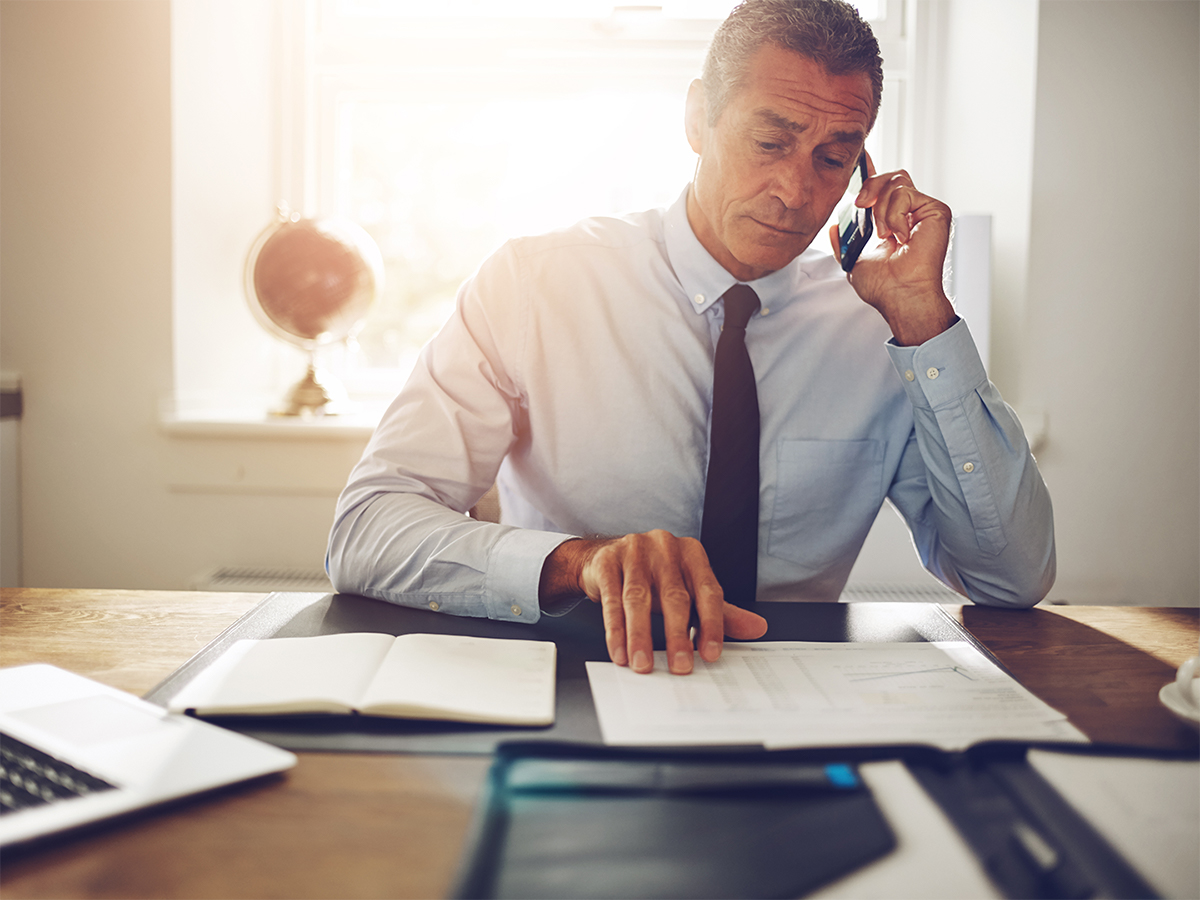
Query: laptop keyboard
(29, 777)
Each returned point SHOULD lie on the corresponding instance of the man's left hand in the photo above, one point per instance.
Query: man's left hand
(900, 272)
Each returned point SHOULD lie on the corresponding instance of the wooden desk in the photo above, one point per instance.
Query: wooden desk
(357, 825)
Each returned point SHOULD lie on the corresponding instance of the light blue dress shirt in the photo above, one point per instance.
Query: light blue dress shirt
(576, 371)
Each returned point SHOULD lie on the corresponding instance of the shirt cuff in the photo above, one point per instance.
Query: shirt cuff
(942, 370)
(514, 572)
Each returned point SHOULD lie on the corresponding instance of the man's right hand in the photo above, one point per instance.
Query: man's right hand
(639, 574)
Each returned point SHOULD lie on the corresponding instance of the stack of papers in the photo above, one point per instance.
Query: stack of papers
(801, 694)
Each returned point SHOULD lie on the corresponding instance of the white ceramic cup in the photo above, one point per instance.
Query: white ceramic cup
(1187, 682)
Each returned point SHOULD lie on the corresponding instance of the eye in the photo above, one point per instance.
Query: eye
(769, 147)
(834, 162)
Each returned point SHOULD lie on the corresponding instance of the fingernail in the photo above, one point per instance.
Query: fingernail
(620, 657)
(683, 662)
(712, 651)
(641, 662)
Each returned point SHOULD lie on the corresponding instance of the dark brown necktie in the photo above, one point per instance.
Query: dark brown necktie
(729, 530)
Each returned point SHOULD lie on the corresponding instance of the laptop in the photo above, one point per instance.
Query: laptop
(73, 751)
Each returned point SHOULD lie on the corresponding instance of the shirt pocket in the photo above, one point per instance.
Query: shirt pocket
(827, 495)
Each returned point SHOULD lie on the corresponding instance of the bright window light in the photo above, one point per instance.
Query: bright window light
(441, 184)
(443, 129)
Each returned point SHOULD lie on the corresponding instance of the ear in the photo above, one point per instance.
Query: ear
(695, 117)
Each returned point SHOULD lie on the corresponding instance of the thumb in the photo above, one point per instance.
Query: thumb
(743, 625)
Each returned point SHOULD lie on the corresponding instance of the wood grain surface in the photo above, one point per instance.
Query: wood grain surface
(361, 825)
(130, 640)
(1102, 666)
(337, 825)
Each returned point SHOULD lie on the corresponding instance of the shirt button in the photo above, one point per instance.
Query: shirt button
(932, 372)
(698, 299)
(765, 310)
(908, 375)
(968, 468)
(433, 604)
(516, 610)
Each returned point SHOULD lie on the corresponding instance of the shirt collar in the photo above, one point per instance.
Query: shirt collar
(704, 279)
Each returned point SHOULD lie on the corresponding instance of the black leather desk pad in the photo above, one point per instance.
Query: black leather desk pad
(579, 636)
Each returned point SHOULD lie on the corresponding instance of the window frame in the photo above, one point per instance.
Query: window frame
(317, 56)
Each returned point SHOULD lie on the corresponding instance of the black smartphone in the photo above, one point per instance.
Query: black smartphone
(854, 224)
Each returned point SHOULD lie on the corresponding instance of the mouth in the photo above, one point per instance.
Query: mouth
(776, 229)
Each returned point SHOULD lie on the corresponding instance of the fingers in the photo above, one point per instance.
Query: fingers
(898, 207)
(609, 581)
(708, 597)
(633, 577)
(742, 624)
(891, 198)
(637, 602)
(675, 601)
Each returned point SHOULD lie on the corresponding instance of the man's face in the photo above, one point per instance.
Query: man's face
(777, 161)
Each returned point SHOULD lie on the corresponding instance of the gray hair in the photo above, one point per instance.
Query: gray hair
(829, 32)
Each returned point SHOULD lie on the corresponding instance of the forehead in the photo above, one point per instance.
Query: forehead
(797, 88)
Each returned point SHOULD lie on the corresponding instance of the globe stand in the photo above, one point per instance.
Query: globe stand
(316, 394)
(310, 282)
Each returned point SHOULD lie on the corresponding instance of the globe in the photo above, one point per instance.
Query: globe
(311, 282)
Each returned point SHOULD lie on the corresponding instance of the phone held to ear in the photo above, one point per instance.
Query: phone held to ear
(854, 224)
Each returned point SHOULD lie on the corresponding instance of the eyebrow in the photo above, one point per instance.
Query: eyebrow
(774, 119)
(847, 137)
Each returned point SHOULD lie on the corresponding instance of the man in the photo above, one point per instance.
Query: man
(577, 372)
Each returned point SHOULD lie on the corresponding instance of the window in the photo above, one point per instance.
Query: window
(443, 135)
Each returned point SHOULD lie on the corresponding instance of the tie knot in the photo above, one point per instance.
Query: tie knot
(740, 304)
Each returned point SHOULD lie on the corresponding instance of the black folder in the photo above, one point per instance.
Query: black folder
(570, 821)
(578, 821)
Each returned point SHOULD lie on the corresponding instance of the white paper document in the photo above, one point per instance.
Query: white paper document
(801, 694)
(1148, 809)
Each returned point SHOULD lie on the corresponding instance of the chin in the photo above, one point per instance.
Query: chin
(771, 259)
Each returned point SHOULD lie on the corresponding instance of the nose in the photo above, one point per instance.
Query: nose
(793, 183)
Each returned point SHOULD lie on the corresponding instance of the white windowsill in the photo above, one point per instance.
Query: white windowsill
(250, 452)
(257, 425)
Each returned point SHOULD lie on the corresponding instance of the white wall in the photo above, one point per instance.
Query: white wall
(1100, 331)
(1075, 124)
(85, 235)
(1114, 295)
(971, 104)
(975, 113)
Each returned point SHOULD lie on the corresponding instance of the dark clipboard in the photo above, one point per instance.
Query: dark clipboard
(1031, 842)
(579, 636)
(761, 842)
(570, 821)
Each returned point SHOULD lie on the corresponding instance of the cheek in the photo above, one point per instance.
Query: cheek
(732, 178)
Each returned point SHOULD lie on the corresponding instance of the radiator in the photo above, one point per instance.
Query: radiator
(262, 579)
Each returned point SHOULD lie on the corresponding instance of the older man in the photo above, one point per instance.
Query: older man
(578, 373)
